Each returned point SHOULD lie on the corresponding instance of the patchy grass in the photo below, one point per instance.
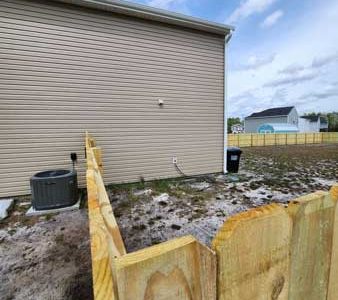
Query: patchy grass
(267, 174)
(161, 185)
(48, 245)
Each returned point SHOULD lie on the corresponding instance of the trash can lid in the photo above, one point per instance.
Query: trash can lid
(234, 149)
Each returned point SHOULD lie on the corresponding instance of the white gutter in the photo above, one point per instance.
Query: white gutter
(225, 142)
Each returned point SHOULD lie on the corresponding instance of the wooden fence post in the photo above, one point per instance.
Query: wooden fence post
(264, 139)
(333, 280)
(253, 255)
(311, 245)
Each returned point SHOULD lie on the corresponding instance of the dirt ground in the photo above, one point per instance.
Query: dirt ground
(154, 212)
(48, 257)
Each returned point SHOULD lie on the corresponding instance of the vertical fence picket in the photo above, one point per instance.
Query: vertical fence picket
(265, 253)
(333, 280)
(180, 269)
(253, 255)
(260, 139)
(311, 245)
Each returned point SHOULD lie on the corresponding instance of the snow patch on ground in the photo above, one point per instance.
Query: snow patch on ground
(48, 257)
(5, 206)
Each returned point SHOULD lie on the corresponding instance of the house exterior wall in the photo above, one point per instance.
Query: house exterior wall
(66, 69)
(324, 127)
(251, 125)
(293, 117)
(307, 126)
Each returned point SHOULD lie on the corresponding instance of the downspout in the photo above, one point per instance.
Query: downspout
(225, 142)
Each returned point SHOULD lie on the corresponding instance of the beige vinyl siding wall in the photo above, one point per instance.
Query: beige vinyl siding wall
(66, 69)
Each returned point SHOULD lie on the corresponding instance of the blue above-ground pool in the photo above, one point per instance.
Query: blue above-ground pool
(277, 128)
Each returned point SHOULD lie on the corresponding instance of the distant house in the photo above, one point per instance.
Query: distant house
(237, 128)
(277, 128)
(313, 124)
(277, 115)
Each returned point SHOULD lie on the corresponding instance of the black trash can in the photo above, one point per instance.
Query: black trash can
(233, 157)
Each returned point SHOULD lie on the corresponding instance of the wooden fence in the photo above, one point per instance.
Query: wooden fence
(275, 139)
(270, 252)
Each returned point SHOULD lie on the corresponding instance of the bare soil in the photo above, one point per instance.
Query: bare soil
(199, 206)
(49, 257)
(46, 257)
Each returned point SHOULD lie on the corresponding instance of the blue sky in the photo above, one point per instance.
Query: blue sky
(283, 52)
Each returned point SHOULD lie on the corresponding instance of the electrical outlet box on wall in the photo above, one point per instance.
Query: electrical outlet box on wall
(174, 159)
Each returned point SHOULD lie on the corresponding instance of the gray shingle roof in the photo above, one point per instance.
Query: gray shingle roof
(311, 118)
(323, 120)
(272, 112)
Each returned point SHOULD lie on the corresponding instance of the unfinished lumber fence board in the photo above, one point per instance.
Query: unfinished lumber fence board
(267, 253)
(102, 275)
(333, 279)
(269, 139)
(311, 245)
(180, 269)
(106, 240)
(252, 251)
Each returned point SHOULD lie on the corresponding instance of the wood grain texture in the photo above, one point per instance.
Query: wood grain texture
(116, 245)
(311, 246)
(180, 269)
(333, 280)
(101, 269)
(105, 237)
(253, 255)
(98, 158)
(270, 139)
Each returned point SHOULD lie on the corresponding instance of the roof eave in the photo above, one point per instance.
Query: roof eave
(276, 116)
(154, 14)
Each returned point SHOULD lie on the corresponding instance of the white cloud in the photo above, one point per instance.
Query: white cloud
(306, 60)
(248, 8)
(255, 62)
(292, 69)
(321, 61)
(292, 79)
(272, 19)
(322, 94)
(164, 4)
(318, 62)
